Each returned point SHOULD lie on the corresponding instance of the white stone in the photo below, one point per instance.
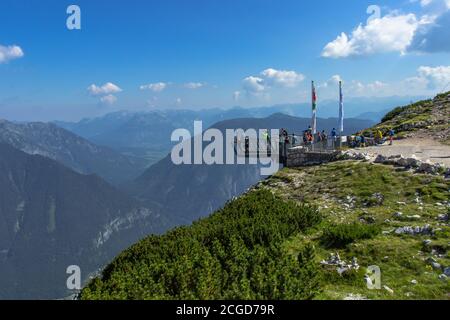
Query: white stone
(388, 289)
(443, 277)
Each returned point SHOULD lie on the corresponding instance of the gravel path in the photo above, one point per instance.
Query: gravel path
(422, 149)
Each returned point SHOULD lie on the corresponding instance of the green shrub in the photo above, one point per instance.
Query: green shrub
(340, 235)
(233, 254)
(393, 113)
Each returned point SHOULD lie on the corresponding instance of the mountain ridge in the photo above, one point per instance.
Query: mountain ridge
(74, 151)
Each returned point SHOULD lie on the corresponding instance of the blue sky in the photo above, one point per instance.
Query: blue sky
(145, 55)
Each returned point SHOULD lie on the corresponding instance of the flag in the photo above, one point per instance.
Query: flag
(341, 109)
(314, 109)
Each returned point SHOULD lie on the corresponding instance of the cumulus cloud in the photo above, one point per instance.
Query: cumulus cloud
(108, 99)
(107, 88)
(155, 87)
(334, 80)
(434, 77)
(8, 53)
(428, 80)
(105, 92)
(253, 85)
(282, 78)
(194, 85)
(271, 78)
(402, 33)
(391, 33)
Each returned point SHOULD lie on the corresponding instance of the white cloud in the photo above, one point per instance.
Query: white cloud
(236, 95)
(438, 4)
(8, 53)
(376, 85)
(333, 81)
(194, 85)
(391, 33)
(105, 92)
(253, 85)
(271, 78)
(155, 87)
(109, 99)
(282, 78)
(107, 88)
(428, 31)
(425, 3)
(375, 88)
(434, 77)
(428, 81)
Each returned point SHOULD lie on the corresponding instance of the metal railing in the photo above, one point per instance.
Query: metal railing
(325, 145)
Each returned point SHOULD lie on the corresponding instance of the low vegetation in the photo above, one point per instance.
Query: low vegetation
(234, 254)
(340, 235)
(427, 118)
(354, 227)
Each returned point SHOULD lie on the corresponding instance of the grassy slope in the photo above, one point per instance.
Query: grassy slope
(401, 258)
(429, 117)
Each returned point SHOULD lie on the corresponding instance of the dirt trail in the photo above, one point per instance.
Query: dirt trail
(422, 149)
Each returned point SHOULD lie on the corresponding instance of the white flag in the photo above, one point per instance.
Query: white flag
(341, 109)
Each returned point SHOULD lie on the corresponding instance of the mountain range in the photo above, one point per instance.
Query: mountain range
(146, 134)
(83, 156)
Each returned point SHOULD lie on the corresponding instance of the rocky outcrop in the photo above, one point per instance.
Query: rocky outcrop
(414, 164)
(341, 266)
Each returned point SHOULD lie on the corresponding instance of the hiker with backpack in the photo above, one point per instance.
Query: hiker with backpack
(391, 137)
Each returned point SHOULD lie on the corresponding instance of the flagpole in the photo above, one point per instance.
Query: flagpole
(314, 109)
(341, 109)
(341, 115)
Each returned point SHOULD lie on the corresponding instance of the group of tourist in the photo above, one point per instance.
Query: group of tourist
(358, 141)
(309, 138)
(361, 141)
